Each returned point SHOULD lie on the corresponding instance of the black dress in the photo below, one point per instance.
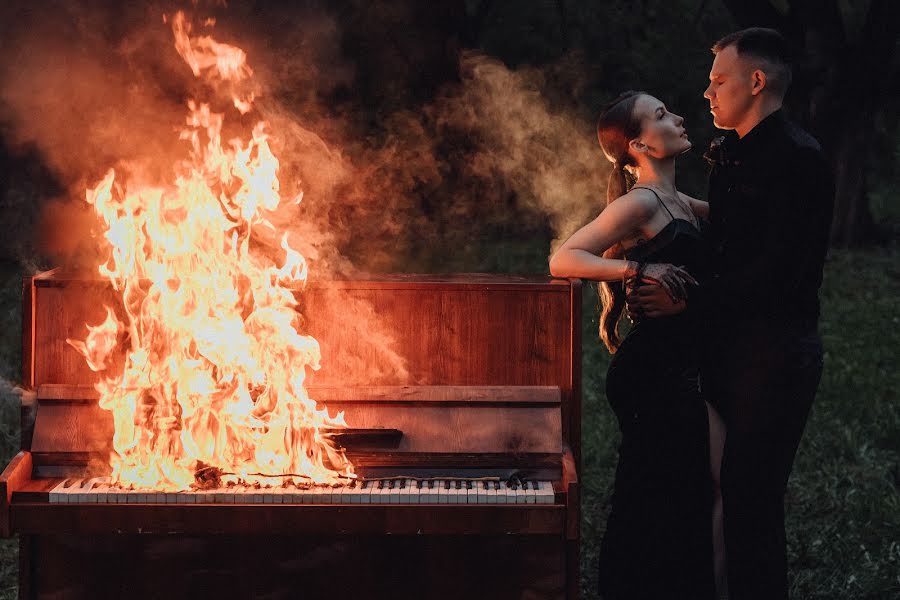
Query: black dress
(658, 540)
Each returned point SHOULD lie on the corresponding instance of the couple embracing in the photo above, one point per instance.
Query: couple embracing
(713, 383)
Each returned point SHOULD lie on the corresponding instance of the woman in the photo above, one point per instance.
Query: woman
(665, 508)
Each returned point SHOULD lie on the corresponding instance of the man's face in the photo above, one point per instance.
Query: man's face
(730, 89)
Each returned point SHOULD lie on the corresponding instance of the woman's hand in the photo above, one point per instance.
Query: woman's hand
(671, 278)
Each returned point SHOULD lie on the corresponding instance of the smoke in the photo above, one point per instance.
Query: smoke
(413, 184)
(546, 156)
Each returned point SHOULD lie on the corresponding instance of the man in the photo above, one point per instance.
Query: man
(770, 197)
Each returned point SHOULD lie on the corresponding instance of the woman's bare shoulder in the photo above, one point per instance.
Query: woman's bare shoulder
(688, 198)
(639, 201)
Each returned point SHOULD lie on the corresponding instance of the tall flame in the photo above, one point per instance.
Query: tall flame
(214, 360)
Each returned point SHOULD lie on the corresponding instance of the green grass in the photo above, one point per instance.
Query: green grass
(843, 505)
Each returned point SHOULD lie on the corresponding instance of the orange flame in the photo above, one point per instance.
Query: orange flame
(214, 360)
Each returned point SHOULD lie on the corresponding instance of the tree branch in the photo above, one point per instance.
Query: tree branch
(822, 16)
(880, 31)
(753, 13)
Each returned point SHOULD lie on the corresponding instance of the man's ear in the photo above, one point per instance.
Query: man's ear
(758, 81)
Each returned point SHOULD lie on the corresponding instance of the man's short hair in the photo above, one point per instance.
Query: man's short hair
(766, 46)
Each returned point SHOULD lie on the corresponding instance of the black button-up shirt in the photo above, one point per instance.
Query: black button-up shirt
(771, 196)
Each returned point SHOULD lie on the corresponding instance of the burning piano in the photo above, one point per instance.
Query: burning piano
(185, 442)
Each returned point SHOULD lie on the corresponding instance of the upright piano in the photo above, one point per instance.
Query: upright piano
(462, 398)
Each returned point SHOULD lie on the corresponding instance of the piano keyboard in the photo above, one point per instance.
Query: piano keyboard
(374, 491)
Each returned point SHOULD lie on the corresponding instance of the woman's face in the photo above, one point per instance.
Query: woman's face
(662, 134)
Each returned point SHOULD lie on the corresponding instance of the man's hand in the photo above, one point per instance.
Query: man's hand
(648, 300)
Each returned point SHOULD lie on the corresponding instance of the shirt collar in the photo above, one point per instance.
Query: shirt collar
(757, 137)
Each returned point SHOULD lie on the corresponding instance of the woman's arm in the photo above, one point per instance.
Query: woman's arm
(698, 207)
(579, 256)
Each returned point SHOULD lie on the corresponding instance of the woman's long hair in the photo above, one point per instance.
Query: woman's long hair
(616, 127)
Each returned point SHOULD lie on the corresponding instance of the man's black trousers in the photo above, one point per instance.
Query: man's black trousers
(762, 378)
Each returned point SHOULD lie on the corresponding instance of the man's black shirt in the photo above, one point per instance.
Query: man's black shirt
(771, 197)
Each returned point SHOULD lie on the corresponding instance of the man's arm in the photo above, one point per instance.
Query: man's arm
(785, 245)
(793, 218)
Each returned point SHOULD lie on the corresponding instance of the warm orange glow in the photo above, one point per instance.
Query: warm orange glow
(214, 360)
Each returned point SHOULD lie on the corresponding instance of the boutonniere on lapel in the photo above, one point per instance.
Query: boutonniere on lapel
(716, 153)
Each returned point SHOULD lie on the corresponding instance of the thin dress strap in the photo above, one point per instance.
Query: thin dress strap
(640, 187)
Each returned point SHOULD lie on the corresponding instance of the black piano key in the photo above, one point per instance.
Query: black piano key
(402, 484)
(468, 485)
(446, 484)
(381, 484)
(419, 484)
(484, 484)
(390, 484)
(458, 484)
(363, 484)
(430, 484)
(496, 485)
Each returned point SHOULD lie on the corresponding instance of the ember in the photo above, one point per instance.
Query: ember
(212, 389)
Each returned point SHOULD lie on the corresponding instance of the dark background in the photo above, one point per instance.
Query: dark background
(459, 136)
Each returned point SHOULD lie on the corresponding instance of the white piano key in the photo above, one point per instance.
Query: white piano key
(380, 493)
(305, 494)
(314, 495)
(76, 492)
(421, 493)
(57, 495)
(491, 494)
(278, 496)
(529, 492)
(360, 494)
(102, 493)
(480, 492)
(351, 493)
(472, 492)
(365, 493)
(116, 495)
(394, 493)
(384, 493)
(520, 494)
(442, 491)
(412, 493)
(452, 493)
(435, 492)
(544, 494)
(337, 494)
(508, 495)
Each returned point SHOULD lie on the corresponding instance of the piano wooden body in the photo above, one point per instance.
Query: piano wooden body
(489, 390)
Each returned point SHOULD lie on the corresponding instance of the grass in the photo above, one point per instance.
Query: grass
(843, 504)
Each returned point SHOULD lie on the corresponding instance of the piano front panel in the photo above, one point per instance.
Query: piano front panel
(369, 332)
(410, 567)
